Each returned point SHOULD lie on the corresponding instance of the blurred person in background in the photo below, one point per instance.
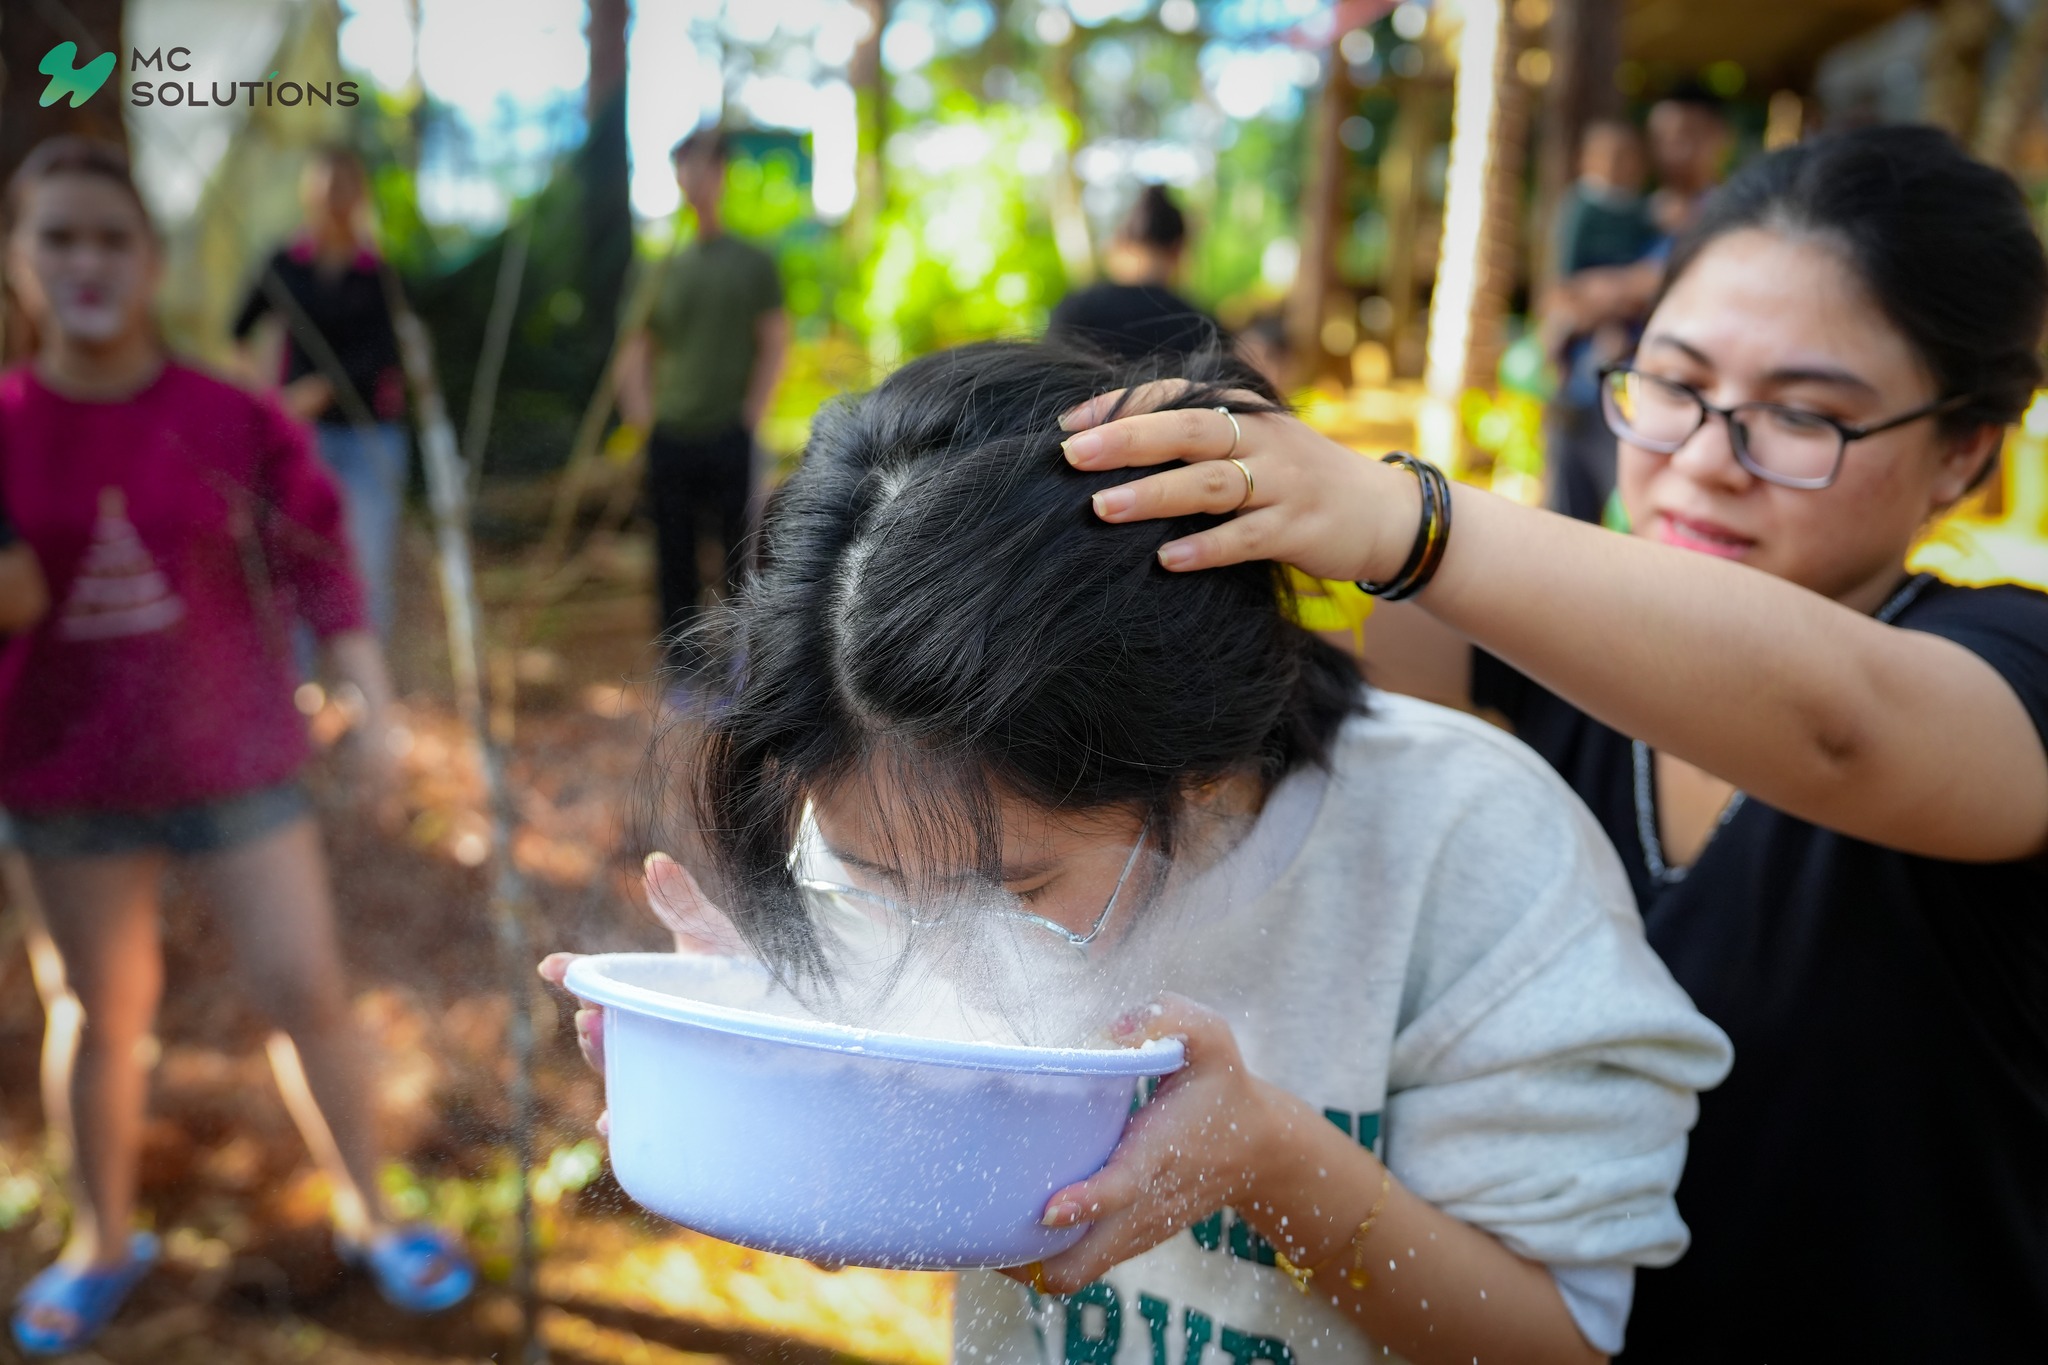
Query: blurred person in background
(326, 293)
(697, 375)
(1689, 143)
(1136, 313)
(1605, 218)
(1690, 139)
(1827, 774)
(148, 722)
(1604, 221)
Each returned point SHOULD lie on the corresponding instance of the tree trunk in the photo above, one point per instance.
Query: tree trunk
(1585, 49)
(1070, 234)
(871, 106)
(1315, 279)
(604, 169)
(2017, 96)
(607, 34)
(27, 31)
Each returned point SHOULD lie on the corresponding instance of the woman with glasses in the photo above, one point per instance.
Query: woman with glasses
(1826, 774)
(1438, 1086)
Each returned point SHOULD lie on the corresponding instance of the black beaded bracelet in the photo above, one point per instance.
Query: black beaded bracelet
(1432, 534)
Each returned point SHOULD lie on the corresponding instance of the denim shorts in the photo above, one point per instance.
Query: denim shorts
(203, 827)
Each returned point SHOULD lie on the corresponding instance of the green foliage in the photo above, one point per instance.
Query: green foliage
(1255, 202)
(1508, 426)
(964, 249)
(21, 1198)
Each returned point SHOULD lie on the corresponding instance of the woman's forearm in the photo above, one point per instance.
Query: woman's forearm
(634, 379)
(1894, 736)
(1435, 1289)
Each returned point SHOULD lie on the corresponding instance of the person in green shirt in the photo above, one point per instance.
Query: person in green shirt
(697, 373)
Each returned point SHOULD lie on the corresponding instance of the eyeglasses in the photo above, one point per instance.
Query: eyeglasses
(871, 904)
(1790, 447)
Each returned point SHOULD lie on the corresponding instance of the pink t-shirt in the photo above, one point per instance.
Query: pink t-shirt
(181, 531)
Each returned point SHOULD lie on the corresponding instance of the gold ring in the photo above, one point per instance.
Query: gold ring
(1236, 432)
(1245, 470)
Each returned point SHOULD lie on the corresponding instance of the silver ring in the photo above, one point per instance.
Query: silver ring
(1236, 434)
(1245, 470)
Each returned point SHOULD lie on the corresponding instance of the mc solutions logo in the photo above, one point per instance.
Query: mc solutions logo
(81, 83)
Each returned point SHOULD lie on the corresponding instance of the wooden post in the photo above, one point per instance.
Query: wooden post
(2017, 96)
(1952, 93)
(1315, 279)
(1584, 41)
(1401, 192)
(1476, 266)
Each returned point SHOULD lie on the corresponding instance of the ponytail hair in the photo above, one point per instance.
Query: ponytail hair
(1944, 244)
(1155, 220)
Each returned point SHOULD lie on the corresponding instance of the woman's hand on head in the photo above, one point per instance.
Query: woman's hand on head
(1326, 510)
(1195, 1147)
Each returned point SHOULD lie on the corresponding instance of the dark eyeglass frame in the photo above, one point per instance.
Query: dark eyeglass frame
(1738, 434)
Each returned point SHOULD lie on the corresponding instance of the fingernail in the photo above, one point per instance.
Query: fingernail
(1112, 503)
(1176, 555)
(604, 1124)
(647, 864)
(1061, 1213)
(1082, 448)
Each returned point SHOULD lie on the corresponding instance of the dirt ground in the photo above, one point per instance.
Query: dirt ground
(249, 1274)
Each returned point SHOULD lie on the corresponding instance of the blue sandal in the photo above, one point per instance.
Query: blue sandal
(417, 1268)
(83, 1301)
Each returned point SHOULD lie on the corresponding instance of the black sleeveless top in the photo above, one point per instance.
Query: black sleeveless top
(1871, 1182)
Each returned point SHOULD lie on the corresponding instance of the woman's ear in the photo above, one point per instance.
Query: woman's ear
(1964, 459)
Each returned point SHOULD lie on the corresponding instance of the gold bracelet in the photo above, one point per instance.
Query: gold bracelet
(1358, 1277)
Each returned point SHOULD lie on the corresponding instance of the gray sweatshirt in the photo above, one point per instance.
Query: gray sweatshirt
(1436, 946)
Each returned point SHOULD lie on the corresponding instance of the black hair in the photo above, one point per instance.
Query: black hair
(1944, 244)
(1155, 220)
(709, 139)
(936, 609)
(1693, 94)
(1269, 327)
(73, 154)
